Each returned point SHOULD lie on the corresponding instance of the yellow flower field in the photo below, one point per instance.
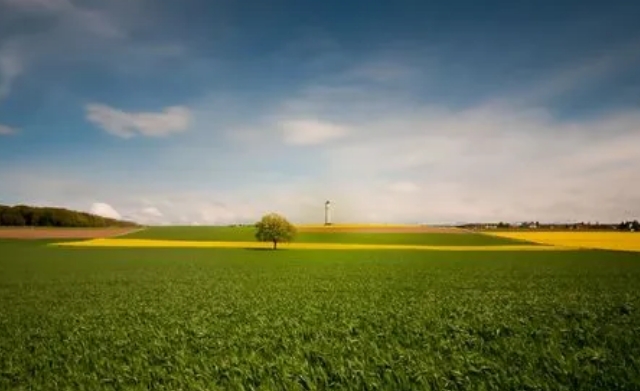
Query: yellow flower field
(625, 241)
(297, 246)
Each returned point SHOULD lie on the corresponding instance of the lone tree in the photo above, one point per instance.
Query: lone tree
(274, 228)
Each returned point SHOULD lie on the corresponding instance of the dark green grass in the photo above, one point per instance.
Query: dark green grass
(247, 234)
(195, 319)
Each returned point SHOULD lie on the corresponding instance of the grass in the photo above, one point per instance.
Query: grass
(225, 319)
(246, 234)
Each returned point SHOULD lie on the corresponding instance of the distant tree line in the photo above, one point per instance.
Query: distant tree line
(23, 215)
(581, 226)
(630, 226)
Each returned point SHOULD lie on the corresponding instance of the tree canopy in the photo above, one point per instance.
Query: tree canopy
(23, 215)
(274, 228)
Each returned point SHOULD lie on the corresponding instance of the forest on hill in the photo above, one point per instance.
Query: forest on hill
(24, 215)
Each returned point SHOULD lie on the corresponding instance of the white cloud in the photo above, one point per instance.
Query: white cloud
(491, 163)
(105, 210)
(310, 132)
(175, 119)
(152, 211)
(6, 130)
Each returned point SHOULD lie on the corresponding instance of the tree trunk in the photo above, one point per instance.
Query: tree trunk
(275, 244)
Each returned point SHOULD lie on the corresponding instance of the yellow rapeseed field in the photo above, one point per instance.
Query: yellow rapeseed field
(298, 246)
(625, 241)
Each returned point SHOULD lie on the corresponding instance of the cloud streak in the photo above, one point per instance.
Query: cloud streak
(76, 34)
(171, 120)
(6, 130)
(310, 132)
(91, 20)
(11, 66)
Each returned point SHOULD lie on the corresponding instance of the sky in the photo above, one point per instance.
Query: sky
(217, 112)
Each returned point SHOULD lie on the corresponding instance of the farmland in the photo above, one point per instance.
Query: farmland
(247, 234)
(620, 241)
(226, 319)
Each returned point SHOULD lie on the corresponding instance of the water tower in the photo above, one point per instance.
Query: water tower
(327, 210)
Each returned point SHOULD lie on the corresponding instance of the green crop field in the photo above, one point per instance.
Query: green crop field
(247, 234)
(233, 319)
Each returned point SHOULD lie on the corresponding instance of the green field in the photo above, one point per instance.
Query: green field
(237, 234)
(233, 319)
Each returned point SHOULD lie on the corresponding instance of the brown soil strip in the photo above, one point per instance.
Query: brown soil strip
(62, 233)
(382, 229)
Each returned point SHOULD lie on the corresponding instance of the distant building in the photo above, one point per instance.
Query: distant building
(327, 213)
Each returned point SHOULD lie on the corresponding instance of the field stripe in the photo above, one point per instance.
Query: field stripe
(616, 241)
(150, 243)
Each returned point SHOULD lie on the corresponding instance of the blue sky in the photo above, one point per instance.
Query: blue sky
(214, 112)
